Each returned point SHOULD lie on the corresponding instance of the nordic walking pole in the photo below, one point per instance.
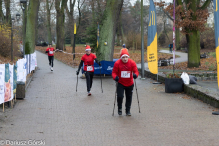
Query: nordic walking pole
(101, 80)
(137, 96)
(77, 83)
(115, 98)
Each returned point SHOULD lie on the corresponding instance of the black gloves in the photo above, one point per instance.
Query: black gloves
(99, 64)
(116, 78)
(77, 72)
(134, 76)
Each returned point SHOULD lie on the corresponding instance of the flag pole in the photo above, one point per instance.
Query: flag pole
(216, 31)
(174, 36)
(74, 40)
(142, 43)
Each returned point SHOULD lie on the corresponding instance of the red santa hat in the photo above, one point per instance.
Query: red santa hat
(88, 48)
(124, 52)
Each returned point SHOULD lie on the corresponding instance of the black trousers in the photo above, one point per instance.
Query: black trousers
(89, 79)
(128, 93)
(51, 58)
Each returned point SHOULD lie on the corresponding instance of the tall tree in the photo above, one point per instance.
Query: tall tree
(70, 13)
(60, 19)
(48, 10)
(108, 29)
(191, 17)
(30, 28)
(37, 23)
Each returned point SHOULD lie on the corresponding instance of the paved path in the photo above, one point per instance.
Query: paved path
(54, 112)
(183, 58)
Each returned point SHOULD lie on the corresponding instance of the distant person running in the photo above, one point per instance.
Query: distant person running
(50, 52)
(88, 60)
(124, 71)
(123, 48)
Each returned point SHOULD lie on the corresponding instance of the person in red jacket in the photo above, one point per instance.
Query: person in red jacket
(124, 71)
(50, 52)
(88, 60)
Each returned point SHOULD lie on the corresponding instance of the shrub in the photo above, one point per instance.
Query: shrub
(165, 39)
(5, 43)
(207, 39)
(133, 38)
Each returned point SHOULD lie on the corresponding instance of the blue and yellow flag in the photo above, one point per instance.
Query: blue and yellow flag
(152, 40)
(98, 35)
(216, 31)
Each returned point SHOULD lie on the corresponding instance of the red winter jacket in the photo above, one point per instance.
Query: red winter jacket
(125, 72)
(88, 62)
(50, 51)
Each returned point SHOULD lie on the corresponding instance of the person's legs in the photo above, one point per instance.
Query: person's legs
(87, 75)
(120, 95)
(128, 94)
(91, 78)
(49, 57)
(52, 59)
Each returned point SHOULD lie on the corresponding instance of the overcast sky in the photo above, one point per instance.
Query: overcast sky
(146, 2)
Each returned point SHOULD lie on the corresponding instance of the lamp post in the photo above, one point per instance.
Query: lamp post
(23, 4)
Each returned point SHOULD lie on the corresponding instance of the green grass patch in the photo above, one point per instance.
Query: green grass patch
(213, 54)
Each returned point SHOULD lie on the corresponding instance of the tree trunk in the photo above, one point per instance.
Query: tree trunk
(108, 30)
(49, 34)
(177, 39)
(198, 47)
(8, 13)
(31, 25)
(60, 19)
(37, 23)
(193, 49)
(60, 31)
(70, 13)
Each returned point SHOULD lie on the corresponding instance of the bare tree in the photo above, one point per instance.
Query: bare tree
(70, 13)
(31, 26)
(48, 8)
(60, 19)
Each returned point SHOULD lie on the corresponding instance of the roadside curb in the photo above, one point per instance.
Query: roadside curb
(204, 94)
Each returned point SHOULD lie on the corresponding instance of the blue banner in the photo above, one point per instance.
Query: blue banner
(152, 40)
(15, 76)
(216, 29)
(106, 67)
(7, 73)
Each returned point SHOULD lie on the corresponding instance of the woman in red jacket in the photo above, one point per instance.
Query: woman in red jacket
(124, 71)
(88, 60)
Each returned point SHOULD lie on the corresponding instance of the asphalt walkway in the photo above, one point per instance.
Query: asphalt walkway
(55, 113)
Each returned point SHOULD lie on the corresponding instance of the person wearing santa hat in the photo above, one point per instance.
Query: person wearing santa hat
(88, 60)
(124, 71)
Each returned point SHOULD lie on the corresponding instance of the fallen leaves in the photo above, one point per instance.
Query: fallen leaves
(186, 97)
